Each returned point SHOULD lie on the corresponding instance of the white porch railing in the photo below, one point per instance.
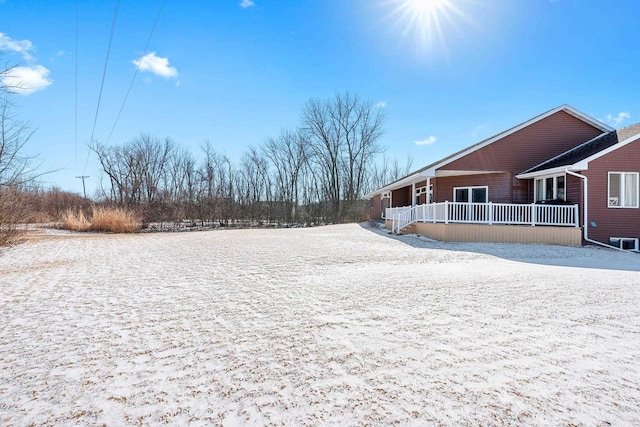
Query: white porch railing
(484, 213)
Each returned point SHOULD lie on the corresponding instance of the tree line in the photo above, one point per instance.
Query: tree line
(317, 173)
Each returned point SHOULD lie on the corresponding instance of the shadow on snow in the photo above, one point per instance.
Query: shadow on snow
(552, 255)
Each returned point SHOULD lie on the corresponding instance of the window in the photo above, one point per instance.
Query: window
(550, 188)
(626, 243)
(423, 190)
(623, 190)
(470, 194)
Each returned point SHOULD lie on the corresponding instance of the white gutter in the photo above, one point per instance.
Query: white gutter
(545, 172)
(585, 215)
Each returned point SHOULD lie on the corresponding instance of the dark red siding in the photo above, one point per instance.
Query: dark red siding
(375, 207)
(574, 194)
(529, 146)
(499, 186)
(401, 197)
(612, 222)
(526, 148)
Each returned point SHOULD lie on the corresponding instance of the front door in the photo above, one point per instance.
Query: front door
(464, 210)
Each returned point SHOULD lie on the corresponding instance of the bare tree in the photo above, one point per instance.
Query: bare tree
(343, 136)
(387, 171)
(136, 170)
(7, 80)
(216, 186)
(181, 190)
(254, 185)
(325, 141)
(288, 154)
(16, 168)
(398, 171)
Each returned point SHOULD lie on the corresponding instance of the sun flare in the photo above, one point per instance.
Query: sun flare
(426, 21)
(425, 7)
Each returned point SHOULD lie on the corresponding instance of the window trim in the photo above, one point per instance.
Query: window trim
(484, 187)
(621, 199)
(543, 179)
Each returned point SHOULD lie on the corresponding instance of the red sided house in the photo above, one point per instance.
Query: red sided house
(561, 178)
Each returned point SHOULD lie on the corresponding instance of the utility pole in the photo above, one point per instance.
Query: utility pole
(84, 189)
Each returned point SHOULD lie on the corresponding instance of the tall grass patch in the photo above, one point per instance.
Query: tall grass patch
(109, 219)
(75, 221)
(115, 220)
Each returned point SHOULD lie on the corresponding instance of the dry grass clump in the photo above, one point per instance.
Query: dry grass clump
(75, 221)
(114, 220)
(111, 220)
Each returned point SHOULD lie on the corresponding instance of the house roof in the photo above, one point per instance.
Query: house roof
(430, 170)
(586, 151)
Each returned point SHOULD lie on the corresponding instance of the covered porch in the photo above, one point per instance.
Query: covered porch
(489, 222)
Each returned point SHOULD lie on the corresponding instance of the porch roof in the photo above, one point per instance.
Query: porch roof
(579, 157)
(421, 176)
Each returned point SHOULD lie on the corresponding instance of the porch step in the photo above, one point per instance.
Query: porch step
(408, 229)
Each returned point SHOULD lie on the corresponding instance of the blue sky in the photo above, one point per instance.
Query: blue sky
(236, 72)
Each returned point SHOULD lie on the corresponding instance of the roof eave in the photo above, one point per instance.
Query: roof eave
(587, 118)
(410, 179)
(545, 172)
(608, 150)
(565, 107)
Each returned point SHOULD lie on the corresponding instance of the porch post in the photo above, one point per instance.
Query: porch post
(413, 194)
(428, 197)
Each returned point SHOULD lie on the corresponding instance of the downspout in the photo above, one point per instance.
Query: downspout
(585, 214)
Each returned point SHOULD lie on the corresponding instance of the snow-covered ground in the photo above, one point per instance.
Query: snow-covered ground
(338, 325)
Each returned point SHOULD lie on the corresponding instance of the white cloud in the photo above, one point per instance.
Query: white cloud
(479, 130)
(429, 141)
(621, 117)
(381, 104)
(19, 46)
(26, 80)
(246, 4)
(156, 65)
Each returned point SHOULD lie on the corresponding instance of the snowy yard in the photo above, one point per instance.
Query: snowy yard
(338, 325)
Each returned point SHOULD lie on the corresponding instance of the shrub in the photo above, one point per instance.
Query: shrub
(114, 220)
(12, 213)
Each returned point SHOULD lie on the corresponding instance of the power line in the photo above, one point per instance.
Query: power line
(104, 74)
(75, 166)
(144, 52)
